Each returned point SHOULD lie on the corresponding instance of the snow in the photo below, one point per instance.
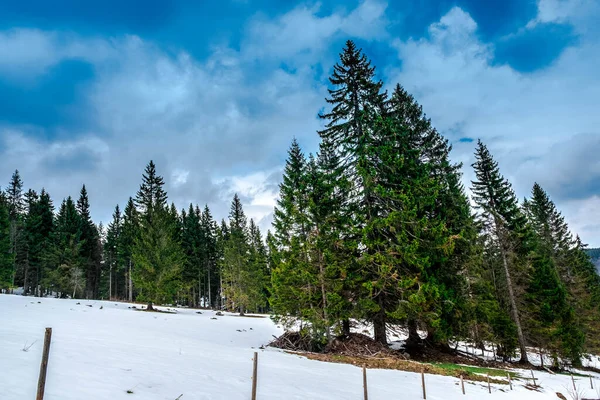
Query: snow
(102, 353)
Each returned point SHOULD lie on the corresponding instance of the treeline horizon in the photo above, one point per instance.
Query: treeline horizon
(376, 226)
(150, 252)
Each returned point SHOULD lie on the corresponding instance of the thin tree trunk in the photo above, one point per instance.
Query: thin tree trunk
(130, 283)
(110, 283)
(209, 295)
(324, 295)
(515, 311)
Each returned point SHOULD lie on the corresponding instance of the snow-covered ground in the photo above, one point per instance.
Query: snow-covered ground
(102, 353)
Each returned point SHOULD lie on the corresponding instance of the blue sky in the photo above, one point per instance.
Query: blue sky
(214, 92)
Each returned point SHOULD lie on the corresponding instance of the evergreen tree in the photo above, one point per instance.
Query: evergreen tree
(6, 256)
(67, 277)
(502, 223)
(157, 254)
(15, 201)
(192, 242)
(113, 252)
(151, 194)
(90, 251)
(129, 233)
(242, 284)
(210, 253)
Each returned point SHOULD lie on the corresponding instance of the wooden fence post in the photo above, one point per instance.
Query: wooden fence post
(462, 384)
(533, 377)
(423, 383)
(254, 375)
(44, 365)
(573, 379)
(365, 383)
(591, 382)
(509, 380)
(489, 386)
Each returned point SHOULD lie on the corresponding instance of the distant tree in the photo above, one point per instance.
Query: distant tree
(157, 254)
(90, 250)
(6, 255)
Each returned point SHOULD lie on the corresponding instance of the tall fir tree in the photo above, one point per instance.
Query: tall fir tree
(129, 233)
(90, 251)
(156, 253)
(6, 255)
(502, 223)
(15, 201)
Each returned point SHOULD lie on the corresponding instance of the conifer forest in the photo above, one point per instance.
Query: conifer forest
(377, 226)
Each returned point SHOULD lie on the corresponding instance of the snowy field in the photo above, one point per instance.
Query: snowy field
(102, 353)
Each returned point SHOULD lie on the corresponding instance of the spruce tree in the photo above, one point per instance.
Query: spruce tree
(129, 233)
(113, 252)
(15, 201)
(90, 252)
(6, 255)
(69, 273)
(242, 283)
(210, 253)
(501, 222)
(156, 253)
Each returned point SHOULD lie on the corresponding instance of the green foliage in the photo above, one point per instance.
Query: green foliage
(243, 266)
(6, 256)
(156, 253)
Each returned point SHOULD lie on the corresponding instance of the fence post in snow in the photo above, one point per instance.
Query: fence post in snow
(462, 384)
(591, 382)
(365, 383)
(489, 386)
(533, 377)
(574, 386)
(44, 365)
(423, 383)
(509, 380)
(254, 373)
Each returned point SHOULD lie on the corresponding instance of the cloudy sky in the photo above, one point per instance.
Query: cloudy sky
(214, 92)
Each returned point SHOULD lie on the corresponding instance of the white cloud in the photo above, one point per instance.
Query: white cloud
(540, 126)
(223, 125)
(28, 53)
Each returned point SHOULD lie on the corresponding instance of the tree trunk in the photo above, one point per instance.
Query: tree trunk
(380, 335)
(346, 327)
(209, 295)
(413, 340)
(324, 296)
(514, 310)
(150, 308)
(130, 283)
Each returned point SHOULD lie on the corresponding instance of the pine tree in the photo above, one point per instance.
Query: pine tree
(192, 242)
(501, 221)
(113, 252)
(210, 253)
(157, 254)
(67, 276)
(451, 205)
(15, 202)
(292, 287)
(129, 233)
(151, 194)
(90, 252)
(242, 284)
(6, 255)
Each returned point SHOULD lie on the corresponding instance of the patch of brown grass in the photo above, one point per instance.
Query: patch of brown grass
(398, 364)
